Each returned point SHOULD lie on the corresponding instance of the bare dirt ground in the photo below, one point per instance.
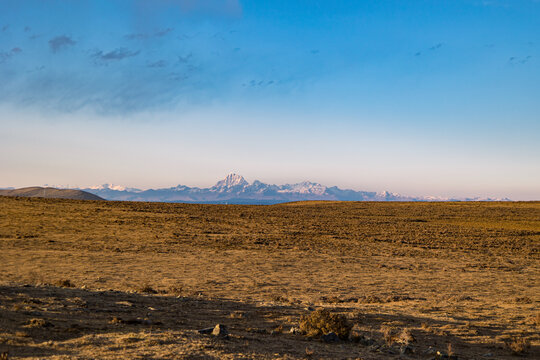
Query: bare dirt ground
(117, 280)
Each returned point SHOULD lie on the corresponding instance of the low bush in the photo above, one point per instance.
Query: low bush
(322, 322)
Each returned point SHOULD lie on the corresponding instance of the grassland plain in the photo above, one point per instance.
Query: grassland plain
(114, 280)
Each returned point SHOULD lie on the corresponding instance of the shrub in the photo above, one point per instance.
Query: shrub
(322, 322)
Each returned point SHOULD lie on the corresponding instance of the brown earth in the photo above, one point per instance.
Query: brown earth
(115, 280)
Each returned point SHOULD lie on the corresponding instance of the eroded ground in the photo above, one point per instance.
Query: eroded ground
(464, 274)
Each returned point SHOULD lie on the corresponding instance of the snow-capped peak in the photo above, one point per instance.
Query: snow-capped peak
(304, 187)
(108, 187)
(231, 180)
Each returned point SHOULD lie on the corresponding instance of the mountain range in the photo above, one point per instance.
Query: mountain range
(234, 189)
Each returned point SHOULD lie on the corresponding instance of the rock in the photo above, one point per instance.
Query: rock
(220, 331)
(330, 337)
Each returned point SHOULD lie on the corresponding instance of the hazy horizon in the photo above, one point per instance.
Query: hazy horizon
(423, 99)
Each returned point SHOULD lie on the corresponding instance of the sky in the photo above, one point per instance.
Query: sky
(422, 98)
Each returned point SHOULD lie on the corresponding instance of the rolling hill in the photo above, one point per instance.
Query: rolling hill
(51, 193)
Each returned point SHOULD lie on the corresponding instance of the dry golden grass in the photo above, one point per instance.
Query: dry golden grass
(118, 280)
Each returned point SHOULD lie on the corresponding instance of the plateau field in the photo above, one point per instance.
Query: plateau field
(118, 280)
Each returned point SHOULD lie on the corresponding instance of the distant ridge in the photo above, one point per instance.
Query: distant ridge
(234, 189)
(50, 193)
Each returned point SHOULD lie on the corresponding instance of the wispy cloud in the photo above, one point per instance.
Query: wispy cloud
(513, 60)
(60, 43)
(185, 59)
(117, 54)
(144, 36)
(163, 32)
(157, 64)
(431, 48)
(5, 55)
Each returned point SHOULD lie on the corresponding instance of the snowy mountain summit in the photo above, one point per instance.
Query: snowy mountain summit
(231, 181)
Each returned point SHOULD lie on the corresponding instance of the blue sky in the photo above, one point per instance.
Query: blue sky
(418, 97)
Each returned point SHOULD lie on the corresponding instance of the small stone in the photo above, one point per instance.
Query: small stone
(220, 330)
(330, 337)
